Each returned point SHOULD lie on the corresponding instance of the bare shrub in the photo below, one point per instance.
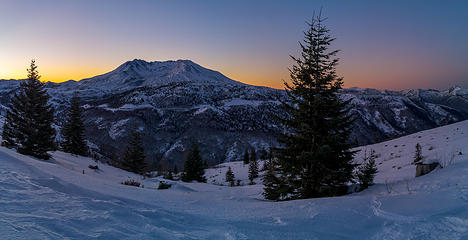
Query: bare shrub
(164, 185)
(131, 182)
(95, 167)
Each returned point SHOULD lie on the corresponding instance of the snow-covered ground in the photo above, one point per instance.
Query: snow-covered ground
(55, 200)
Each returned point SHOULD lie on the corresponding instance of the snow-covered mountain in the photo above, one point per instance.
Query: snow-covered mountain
(177, 102)
(139, 73)
(63, 199)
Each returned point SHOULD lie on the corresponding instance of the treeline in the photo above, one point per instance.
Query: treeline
(29, 121)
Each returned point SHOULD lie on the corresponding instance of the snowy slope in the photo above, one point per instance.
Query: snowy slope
(445, 145)
(55, 200)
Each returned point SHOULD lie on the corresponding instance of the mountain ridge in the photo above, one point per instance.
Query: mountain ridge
(178, 102)
(140, 63)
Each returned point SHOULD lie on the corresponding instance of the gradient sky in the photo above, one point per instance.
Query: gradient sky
(385, 44)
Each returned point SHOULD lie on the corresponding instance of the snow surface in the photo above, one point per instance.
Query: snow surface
(444, 145)
(55, 200)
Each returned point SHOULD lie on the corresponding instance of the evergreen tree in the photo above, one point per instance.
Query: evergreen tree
(73, 130)
(134, 157)
(176, 170)
(274, 186)
(10, 127)
(246, 157)
(266, 164)
(367, 171)
(253, 167)
(268, 161)
(28, 125)
(418, 155)
(253, 155)
(263, 154)
(193, 166)
(230, 177)
(315, 159)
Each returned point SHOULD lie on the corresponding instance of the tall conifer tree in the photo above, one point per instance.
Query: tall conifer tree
(253, 155)
(314, 158)
(134, 157)
(10, 128)
(193, 166)
(273, 185)
(418, 155)
(230, 177)
(73, 129)
(253, 167)
(367, 170)
(28, 125)
(263, 154)
(246, 158)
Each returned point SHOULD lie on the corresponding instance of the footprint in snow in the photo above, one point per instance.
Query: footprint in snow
(376, 208)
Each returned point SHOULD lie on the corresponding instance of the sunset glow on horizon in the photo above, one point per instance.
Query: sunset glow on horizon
(384, 45)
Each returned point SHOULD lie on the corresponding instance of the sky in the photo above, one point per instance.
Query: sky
(384, 44)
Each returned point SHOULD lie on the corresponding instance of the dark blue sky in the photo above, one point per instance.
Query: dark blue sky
(385, 44)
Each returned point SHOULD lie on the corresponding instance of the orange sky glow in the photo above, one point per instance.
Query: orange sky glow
(385, 45)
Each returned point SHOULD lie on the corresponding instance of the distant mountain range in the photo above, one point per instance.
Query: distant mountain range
(175, 103)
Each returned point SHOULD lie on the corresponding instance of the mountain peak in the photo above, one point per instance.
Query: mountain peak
(132, 63)
(139, 63)
(138, 72)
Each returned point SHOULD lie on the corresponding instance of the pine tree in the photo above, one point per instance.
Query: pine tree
(73, 130)
(253, 167)
(266, 164)
(274, 185)
(230, 177)
(268, 161)
(176, 170)
(253, 155)
(263, 154)
(193, 166)
(418, 155)
(10, 127)
(28, 125)
(315, 159)
(134, 157)
(367, 171)
(246, 157)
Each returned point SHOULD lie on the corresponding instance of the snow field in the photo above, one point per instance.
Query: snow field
(55, 200)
